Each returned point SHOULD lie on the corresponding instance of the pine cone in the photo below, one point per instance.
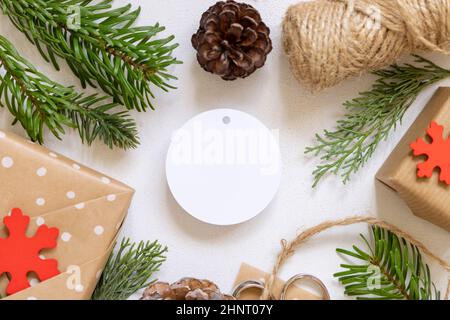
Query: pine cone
(185, 289)
(232, 40)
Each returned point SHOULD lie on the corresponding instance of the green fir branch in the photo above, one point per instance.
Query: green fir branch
(37, 102)
(393, 269)
(371, 118)
(99, 45)
(129, 270)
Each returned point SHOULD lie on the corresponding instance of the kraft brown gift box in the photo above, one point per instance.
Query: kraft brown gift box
(87, 207)
(427, 198)
(247, 272)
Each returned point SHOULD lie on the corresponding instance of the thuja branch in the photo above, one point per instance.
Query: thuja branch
(99, 45)
(129, 270)
(37, 102)
(372, 117)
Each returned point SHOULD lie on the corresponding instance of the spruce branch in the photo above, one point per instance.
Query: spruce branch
(99, 45)
(129, 270)
(393, 269)
(371, 117)
(37, 102)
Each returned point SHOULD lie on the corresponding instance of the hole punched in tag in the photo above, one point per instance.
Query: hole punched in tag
(226, 120)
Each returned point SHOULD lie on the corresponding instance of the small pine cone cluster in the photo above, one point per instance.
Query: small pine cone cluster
(232, 40)
(185, 289)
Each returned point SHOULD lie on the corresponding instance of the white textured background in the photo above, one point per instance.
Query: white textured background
(272, 95)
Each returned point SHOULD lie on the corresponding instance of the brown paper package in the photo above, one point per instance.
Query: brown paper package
(247, 272)
(87, 207)
(427, 198)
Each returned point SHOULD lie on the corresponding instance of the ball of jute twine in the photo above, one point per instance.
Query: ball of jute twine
(289, 248)
(328, 41)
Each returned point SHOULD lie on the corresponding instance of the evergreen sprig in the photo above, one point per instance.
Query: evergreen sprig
(37, 102)
(393, 269)
(99, 45)
(371, 118)
(129, 270)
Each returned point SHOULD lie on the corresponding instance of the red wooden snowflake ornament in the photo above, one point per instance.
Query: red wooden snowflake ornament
(19, 254)
(438, 152)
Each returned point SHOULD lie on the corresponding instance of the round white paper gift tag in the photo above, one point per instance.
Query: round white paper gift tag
(224, 166)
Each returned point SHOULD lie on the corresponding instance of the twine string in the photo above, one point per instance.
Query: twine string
(289, 248)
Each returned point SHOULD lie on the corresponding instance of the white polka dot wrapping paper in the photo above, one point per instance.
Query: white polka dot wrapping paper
(87, 207)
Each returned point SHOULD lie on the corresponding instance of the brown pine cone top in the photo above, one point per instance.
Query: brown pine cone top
(232, 40)
(185, 289)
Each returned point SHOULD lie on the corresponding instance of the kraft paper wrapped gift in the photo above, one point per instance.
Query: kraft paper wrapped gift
(427, 197)
(87, 207)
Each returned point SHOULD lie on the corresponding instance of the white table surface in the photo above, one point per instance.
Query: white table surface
(272, 95)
